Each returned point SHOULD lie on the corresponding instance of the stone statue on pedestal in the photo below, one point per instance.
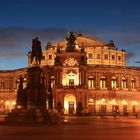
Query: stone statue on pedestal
(31, 101)
(36, 53)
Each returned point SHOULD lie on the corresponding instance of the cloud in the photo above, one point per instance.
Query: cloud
(12, 54)
(17, 41)
(130, 55)
(15, 37)
(137, 62)
(126, 38)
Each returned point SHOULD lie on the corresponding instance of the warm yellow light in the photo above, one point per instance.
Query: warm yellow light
(13, 103)
(67, 77)
(64, 81)
(66, 107)
(134, 103)
(113, 102)
(19, 107)
(91, 100)
(2, 101)
(7, 103)
(76, 46)
(69, 98)
(103, 100)
(98, 102)
(124, 102)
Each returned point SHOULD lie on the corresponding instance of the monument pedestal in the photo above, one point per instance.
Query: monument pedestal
(31, 101)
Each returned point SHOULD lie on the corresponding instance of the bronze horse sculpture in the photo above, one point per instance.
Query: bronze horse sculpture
(36, 53)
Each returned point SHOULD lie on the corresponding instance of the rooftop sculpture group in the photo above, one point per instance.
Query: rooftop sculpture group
(70, 38)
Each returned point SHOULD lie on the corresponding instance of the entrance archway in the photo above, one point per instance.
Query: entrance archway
(69, 104)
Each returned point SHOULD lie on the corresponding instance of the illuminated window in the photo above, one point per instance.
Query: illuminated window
(113, 82)
(106, 56)
(70, 79)
(24, 83)
(102, 82)
(2, 84)
(43, 57)
(113, 57)
(124, 108)
(103, 109)
(133, 83)
(71, 82)
(98, 56)
(119, 57)
(115, 108)
(50, 56)
(90, 55)
(124, 82)
(91, 82)
(52, 81)
(134, 108)
(134, 103)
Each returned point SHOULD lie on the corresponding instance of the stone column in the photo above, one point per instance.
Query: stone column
(61, 77)
(81, 74)
(108, 81)
(79, 77)
(128, 83)
(119, 82)
(56, 77)
(85, 78)
(97, 80)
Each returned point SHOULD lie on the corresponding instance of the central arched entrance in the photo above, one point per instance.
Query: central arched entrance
(69, 104)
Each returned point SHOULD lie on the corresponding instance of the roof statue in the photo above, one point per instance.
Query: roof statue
(112, 45)
(36, 53)
(70, 38)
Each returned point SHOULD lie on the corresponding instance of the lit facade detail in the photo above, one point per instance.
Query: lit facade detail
(133, 83)
(102, 82)
(91, 82)
(114, 82)
(93, 78)
(124, 83)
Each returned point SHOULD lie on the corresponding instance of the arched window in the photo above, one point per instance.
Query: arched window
(52, 81)
(133, 83)
(124, 103)
(91, 82)
(134, 104)
(113, 82)
(102, 82)
(124, 82)
(2, 84)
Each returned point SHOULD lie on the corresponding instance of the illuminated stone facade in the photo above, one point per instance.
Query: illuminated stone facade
(91, 78)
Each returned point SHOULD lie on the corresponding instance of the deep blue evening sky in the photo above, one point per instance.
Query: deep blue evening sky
(50, 20)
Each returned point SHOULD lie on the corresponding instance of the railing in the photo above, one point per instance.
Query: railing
(71, 87)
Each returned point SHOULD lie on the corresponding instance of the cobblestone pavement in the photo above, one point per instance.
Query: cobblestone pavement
(82, 128)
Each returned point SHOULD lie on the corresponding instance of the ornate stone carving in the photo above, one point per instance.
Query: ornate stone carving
(70, 62)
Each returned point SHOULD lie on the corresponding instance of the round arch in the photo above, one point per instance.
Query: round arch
(69, 104)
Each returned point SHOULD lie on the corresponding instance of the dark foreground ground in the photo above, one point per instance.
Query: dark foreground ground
(77, 128)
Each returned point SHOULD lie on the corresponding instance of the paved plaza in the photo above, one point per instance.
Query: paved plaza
(75, 128)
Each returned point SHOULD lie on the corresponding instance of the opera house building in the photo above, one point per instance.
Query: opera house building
(85, 75)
